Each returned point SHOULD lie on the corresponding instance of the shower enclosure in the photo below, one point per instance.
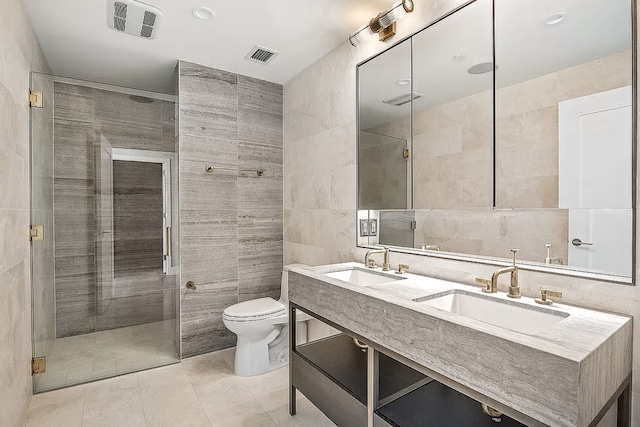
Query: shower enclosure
(104, 190)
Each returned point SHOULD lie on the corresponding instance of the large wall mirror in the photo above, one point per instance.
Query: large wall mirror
(462, 156)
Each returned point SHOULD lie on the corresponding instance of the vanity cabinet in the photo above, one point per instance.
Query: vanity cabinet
(429, 366)
(332, 373)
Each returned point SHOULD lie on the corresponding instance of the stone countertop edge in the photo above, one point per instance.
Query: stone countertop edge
(591, 326)
(566, 351)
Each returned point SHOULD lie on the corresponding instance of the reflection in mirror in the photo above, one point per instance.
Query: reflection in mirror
(557, 169)
(564, 131)
(453, 121)
(384, 136)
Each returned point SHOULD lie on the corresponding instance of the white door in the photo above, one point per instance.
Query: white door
(595, 137)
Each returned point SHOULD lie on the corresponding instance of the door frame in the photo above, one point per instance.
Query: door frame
(169, 200)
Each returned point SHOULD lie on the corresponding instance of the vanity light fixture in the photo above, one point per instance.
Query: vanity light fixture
(384, 24)
(554, 19)
(203, 13)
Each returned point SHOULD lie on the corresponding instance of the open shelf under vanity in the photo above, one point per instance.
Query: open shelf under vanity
(332, 373)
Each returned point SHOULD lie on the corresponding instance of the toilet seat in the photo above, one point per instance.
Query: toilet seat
(254, 310)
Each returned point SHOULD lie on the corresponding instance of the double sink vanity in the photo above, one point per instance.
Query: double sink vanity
(415, 350)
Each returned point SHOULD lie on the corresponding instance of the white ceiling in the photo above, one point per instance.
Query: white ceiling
(525, 49)
(77, 42)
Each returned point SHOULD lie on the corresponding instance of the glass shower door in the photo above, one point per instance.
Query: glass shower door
(104, 288)
(42, 247)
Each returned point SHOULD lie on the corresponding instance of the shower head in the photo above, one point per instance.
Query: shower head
(141, 99)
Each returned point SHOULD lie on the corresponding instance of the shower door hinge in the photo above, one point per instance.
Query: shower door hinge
(38, 365)
(35, 98)
(414, 225)
(36, 232)
(406, 153)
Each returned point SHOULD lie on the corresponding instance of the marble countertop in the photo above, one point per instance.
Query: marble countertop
(562, 375)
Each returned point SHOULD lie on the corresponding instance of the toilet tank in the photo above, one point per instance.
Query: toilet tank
(284, 285)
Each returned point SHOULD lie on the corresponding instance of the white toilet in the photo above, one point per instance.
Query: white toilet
(262, 327)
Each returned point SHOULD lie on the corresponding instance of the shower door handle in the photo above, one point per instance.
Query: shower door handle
(168, 231)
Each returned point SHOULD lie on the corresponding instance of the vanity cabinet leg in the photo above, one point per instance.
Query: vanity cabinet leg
(292, 400)
(292, 349)
(624, 407)
(373, 384)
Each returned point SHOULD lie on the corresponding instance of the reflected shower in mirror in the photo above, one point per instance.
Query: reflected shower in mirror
(534, 152)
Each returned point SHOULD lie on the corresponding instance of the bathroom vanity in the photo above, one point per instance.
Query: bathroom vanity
(437, 350)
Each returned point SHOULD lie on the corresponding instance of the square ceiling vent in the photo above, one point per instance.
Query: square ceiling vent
(261, 55)
(134, 18)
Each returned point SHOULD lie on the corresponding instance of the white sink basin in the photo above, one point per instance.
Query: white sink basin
(509, 315)
(362, 277)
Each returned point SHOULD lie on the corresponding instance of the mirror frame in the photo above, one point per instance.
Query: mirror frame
(501, 262)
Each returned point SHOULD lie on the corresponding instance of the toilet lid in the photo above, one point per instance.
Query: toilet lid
(255, 308)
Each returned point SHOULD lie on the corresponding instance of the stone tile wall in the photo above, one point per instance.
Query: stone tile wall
(82, 116)
(320, 139)
(19, 55)
(230, 222)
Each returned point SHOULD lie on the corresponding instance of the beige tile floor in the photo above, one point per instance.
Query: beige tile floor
(198, 392)
(105, 354)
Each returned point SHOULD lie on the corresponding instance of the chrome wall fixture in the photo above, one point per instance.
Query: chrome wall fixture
(384, 24)
(211, 168)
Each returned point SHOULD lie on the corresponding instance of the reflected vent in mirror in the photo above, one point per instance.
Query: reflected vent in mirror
(405, 98)
(261, 54)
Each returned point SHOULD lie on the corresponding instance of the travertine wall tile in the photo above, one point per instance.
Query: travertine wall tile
(527, 128)
(340, 82)
(20, 54)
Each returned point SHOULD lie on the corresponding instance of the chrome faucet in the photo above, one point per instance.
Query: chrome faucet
(492, 285)
(549, 259)
(372, 264)
(426, 247)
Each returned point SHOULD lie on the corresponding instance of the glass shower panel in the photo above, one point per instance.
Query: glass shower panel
(42, 248)
(105, 285)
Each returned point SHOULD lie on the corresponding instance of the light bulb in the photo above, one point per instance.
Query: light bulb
(360, 35)
(397, 11)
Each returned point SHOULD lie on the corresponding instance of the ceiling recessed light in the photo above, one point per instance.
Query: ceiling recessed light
(554, 19)
(459, 57)
(203, 13)
(403, 82)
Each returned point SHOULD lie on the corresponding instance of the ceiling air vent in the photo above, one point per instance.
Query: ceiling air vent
(261, 54)
(405, 98)
(133, 17)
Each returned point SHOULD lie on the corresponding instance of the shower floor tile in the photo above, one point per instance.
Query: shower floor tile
(105, 354)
